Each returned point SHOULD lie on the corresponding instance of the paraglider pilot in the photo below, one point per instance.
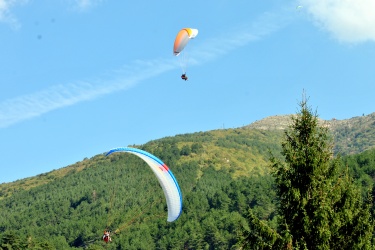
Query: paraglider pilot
(106, 236)
(184, 77)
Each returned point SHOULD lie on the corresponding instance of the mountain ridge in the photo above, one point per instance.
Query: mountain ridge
(221, 174)
(350, 136)
(280, 122)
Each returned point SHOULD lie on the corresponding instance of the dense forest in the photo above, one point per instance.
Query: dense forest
(222, 174)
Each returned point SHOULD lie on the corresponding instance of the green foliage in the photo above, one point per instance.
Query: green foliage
(354, 135)
(12, 240)
(362, 168)
(256, 234)
(225, 184)
(120, 192)
(319, 209)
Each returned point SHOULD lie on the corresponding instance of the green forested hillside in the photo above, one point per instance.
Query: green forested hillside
(353, 135)
(350, 136)
(221, 173)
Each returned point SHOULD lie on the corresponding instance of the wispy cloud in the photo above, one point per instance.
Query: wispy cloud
(242, 35)
(25, 107)
(349, 21)
(6, 15)
(85, 4)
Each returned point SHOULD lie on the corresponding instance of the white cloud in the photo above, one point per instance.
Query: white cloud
(6, 15)
(86, 4)
(266, 24)
(350, 21)
(6, 6)
(36, 104)
(25, 107)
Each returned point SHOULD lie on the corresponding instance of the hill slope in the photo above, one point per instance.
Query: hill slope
(351, 136)
(242, 150)
(218, 172)
(221, 174)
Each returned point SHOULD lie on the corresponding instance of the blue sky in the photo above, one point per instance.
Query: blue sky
(79, 77)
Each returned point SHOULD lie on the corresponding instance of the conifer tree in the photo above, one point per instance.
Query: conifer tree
(319, 207)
